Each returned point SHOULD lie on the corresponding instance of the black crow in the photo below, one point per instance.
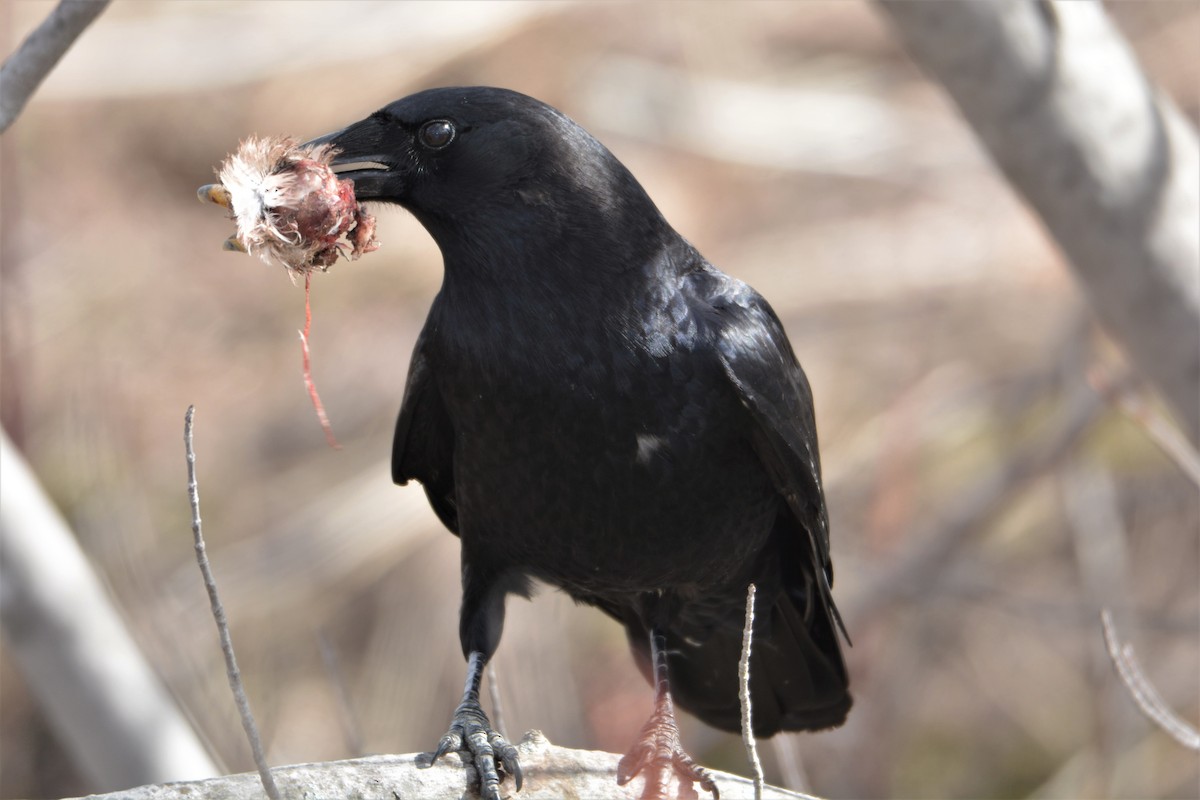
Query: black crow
(593, 404)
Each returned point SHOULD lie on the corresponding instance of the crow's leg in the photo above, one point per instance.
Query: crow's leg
(657, 753)
(480, 623)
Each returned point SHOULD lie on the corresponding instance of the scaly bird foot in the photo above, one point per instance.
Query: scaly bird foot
(472, 733)
(659, 754)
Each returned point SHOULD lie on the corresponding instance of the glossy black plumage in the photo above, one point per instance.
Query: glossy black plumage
(591, 403)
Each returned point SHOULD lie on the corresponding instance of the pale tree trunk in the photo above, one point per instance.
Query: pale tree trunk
(1109, 164)
(99, 694)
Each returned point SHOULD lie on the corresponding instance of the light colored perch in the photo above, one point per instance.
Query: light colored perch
(551, 773)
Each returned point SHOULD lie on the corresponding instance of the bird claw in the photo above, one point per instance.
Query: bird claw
(659, 754)
(452, 741)
(471, 733)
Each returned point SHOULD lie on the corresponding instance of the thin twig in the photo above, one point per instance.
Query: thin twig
(1134, 405)
(218, 611)
(24, 71)
(349, 720)
(971, 509)
(1147, 698)
(744, 696)
(494, 695)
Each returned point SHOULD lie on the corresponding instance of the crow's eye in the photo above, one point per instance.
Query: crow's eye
(436, 134)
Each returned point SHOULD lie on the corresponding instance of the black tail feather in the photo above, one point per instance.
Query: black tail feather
(798, 678)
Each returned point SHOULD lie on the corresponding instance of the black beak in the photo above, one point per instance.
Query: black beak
(363, 157)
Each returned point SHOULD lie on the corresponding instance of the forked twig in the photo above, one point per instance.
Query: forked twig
(744, 696)
(218, 611)
(1147, 698)
(1134, 405)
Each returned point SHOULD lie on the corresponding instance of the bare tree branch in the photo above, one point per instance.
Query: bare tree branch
(551, 773)
(1110, 165)
(218, 612)
(1134, 405)
(101, 697)
(968, 512)
(26, 68)
(1147, 698)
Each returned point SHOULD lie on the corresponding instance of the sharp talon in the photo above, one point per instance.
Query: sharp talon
(633, 762)
(507, 754)
(685, 766)
(448, 742)
(511, 765)
(487, 751)
(707, 782)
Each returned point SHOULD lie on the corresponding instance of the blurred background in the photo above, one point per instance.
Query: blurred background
(984, 504)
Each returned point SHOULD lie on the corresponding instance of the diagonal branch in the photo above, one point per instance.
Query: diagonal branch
(1108, 163)
(970, 511)
(1142, 413)
(60, 626)
(24, 71)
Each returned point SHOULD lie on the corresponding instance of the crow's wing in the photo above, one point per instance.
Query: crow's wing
(758, 361)
(423, 447)
(798, 675)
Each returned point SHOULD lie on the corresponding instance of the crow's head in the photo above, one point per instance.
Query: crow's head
(489, 164)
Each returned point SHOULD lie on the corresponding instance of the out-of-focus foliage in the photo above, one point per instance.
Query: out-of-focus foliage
(796, 146)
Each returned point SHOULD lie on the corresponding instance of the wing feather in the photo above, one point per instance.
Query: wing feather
(759, 362)
(423, 446)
